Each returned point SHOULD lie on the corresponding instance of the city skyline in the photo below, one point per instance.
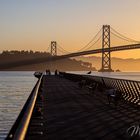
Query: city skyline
(31, 25)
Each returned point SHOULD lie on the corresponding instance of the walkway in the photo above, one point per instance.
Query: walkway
(71, 113)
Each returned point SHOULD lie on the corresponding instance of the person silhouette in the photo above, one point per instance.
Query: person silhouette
(55, 72)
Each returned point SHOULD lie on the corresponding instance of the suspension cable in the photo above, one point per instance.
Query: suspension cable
(62, 49)
(94, 43)
(120, 37)
(124, 37)
(48, 49)
(90, 41)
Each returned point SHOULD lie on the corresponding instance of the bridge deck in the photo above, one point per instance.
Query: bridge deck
(72, 113)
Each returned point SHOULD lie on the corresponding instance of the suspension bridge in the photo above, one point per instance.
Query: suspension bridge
(81, 106)
(104, 42)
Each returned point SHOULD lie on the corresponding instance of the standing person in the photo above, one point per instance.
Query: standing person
(48, 72)
(55, 72)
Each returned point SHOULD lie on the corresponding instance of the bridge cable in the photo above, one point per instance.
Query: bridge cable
(94, 43)
(62, 48)
(83, 48)
(123, 37)
(48, 48)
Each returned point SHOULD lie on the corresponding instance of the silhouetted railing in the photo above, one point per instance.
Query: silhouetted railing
(19, 129)
(129, 89)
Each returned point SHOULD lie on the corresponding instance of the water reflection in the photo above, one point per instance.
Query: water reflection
(15, 88)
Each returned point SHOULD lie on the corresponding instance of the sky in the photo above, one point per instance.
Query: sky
(33, 24)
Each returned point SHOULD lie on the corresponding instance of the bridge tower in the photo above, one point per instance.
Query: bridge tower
(106, 56)
(53, 48)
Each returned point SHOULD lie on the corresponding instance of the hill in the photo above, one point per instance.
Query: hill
(117, 63)
(29, 61)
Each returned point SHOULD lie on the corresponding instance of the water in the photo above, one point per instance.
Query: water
(15, 88)
(119, 75)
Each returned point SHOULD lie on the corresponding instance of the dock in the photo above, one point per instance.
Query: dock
(65, 111)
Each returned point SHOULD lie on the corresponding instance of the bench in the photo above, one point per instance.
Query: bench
(113, 96)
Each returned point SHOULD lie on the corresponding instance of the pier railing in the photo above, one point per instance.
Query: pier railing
(129, 89)
(19, 129)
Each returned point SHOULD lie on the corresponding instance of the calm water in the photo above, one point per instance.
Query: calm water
(120, 75)
(15, 88)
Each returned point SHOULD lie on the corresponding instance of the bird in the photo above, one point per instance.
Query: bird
(89, 72)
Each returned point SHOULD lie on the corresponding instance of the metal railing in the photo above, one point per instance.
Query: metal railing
(129, 89)
(20, 127)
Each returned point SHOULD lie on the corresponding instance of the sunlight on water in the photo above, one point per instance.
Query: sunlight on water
(15, 88)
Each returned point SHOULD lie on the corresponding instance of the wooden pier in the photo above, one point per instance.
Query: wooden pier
(64, 111)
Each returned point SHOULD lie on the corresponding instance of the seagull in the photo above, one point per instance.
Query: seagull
(89, 72)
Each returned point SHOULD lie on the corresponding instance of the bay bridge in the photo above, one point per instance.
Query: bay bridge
(101, 43)
(73, 106)
(106, 41)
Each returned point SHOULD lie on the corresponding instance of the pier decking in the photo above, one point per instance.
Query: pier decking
(71, 113)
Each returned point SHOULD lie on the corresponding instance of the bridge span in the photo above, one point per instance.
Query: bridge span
(113, 49)
(58, 57)
(105, 49)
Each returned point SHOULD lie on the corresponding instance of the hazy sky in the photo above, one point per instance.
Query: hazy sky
(32, 24)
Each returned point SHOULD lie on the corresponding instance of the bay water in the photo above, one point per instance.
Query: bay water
(15, 87)
(135, 76)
